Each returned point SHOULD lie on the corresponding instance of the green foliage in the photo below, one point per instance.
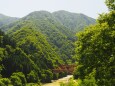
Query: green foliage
(78, 71)
(21, 76)
(59, 34)
(43, 78)
(5, 20)
(89, 80)
(1, 83)
(17, 61)
(110, 4)
(16, 81)
(70, 82)
(47, 76)
(4, 82)
(13, 58)
(33, 84)
(34, 45)
(95, 52)
(107, 18)
(55, 76)
(75, 22)
(62, 74)
(37, 47)
(1, 58)
(32, 77)
(34, 53)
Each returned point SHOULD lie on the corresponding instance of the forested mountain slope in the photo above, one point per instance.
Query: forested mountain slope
(5, 20)
(95, 51)
(34, 45)
(59, 36)
(31, 54)
(73, 21)
(12, 58)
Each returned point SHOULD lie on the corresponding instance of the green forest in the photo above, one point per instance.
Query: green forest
(32, 46)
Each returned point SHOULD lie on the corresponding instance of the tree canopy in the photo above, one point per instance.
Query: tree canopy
(95, 51)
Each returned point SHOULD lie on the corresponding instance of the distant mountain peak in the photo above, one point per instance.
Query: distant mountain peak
(38, 15)
(57, 28)
(72, 21)
(38, 12)
(5, 20)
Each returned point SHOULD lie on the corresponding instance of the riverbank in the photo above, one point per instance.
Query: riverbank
(57, 82)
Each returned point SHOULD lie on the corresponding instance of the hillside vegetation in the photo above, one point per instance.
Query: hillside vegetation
(32, 46)
(5, 20)
(95, 51)
(60, 36)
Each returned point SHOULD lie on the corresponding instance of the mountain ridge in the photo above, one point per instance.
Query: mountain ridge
(40, 43)
(6, 19)
(73, 21)
(59, 34)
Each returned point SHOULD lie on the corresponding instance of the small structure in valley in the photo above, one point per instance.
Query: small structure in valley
(64, 68)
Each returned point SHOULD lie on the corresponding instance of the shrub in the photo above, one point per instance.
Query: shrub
(70, 82)
(1, 83)
(55, 76)
(78, 72)
(6, 81)
(49, 75)
(89, 80)
(62, 74)
(16, 81)
(0, 76)
(43, 78)
(32, 77)
(21, 76)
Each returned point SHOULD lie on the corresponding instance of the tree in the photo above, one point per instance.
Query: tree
(32, 77)
(4, 82)
(55, 76)
(110, 4)
(47, 76)
(95, 50)
(21, 76)
(16, 81)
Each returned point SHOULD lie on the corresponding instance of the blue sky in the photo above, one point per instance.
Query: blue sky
(20, 8)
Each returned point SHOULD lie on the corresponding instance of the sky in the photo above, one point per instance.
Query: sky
(21, 8)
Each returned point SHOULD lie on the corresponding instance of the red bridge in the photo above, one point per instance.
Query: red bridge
(64, 68)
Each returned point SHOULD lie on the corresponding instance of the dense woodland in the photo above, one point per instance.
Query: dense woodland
(32, 46)
(38, 43)
(95, 51)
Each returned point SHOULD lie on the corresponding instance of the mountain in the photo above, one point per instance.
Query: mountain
(25, 52)
(58, 34)
(73, 21)
(12, 58)
(5, 20)
(38, 43)
(35, 44)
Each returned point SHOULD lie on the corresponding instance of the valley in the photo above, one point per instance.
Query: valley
(39, 43)
(58, 48)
